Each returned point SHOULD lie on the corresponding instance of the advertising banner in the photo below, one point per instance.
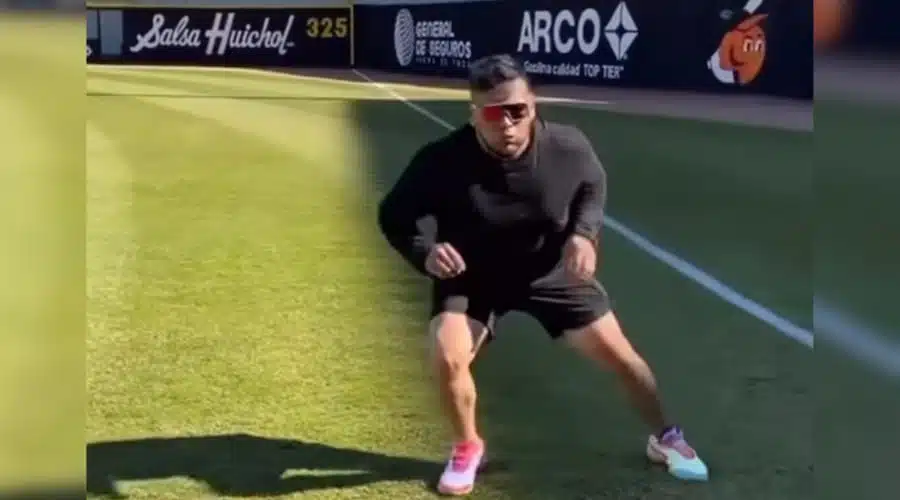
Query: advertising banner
(584, 42)
(220, 37)
(733, 46)
(728, 46)
(755, 46)
(429, 38)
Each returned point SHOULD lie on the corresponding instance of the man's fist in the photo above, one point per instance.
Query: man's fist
(444, 261)
(580, 257)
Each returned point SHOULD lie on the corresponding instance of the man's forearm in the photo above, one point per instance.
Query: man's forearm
(405, 214)
(410, 236)
(589, 209)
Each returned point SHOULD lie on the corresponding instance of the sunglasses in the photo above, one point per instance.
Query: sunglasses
(495, 113)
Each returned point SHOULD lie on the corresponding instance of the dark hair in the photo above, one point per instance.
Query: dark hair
(490, 71)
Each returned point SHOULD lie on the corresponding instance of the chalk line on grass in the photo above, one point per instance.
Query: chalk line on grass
(856, 338)
(683, 267)
(111, 244)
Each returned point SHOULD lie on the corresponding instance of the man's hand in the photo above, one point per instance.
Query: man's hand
(580, 257)
(444, 261)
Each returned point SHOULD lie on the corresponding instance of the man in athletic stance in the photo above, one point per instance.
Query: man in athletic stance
(505, 214)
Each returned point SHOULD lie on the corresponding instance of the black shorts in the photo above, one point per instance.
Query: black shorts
(558, 302)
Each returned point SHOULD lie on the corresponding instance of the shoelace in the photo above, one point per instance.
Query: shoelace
(463, 454)
(678, 443)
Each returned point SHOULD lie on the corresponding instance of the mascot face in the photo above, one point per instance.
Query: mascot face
(743, 49)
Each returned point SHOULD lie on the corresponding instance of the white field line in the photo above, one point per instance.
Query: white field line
(855, 338)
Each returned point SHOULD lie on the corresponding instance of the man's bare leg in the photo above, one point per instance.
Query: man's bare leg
(456, 339)
(604, 342)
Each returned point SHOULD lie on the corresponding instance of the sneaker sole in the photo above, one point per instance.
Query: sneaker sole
(455, 492)
(463, 490)
(660, 458)
(656, 456)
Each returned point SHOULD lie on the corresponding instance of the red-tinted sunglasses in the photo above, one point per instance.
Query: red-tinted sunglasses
(495, 113)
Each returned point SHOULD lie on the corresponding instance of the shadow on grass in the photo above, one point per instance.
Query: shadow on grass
(47, 492)
(244, 465)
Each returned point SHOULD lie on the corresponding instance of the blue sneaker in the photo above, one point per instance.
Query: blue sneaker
(675, 453)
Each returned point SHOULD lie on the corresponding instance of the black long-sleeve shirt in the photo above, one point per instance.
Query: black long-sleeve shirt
(505, 218)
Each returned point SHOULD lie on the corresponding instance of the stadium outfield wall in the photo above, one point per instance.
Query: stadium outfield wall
(744, 46)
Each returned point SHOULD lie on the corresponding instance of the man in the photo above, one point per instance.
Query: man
(505, 214)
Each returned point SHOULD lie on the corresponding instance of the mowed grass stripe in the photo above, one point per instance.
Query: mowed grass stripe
(311, 136)
(282, 83)
(254, 287)
(110, 240)
(214, 85)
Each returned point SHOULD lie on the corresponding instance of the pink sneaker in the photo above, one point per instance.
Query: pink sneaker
(459, 475)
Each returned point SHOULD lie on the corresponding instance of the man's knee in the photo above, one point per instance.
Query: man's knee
(455, 339)
(604, 341)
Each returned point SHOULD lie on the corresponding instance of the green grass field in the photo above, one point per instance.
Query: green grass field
(250, 334)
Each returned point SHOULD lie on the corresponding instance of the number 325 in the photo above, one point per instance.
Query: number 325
(326, 27)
